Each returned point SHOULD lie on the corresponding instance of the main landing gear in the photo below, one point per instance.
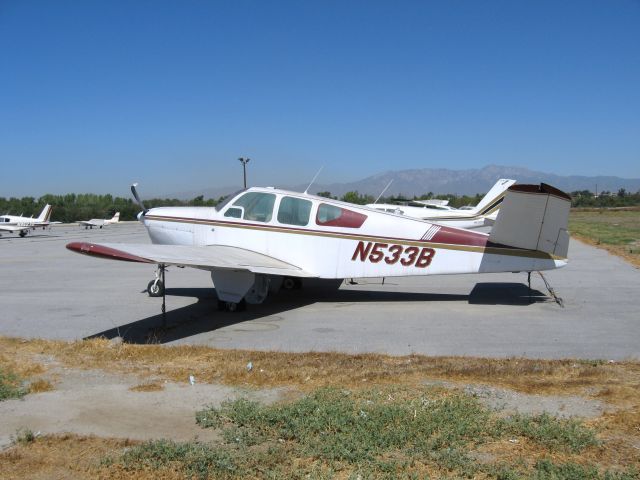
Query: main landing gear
(290, 283)
(232, 306)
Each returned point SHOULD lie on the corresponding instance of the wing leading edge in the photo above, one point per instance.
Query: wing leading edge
(206, 257)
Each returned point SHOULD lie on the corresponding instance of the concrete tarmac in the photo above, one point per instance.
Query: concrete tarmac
(47, 291)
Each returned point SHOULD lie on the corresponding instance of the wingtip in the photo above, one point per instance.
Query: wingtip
(103, 251)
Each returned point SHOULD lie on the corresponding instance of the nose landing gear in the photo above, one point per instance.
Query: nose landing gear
(155, 288)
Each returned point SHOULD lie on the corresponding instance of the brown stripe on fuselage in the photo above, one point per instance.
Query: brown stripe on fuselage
(451, 239)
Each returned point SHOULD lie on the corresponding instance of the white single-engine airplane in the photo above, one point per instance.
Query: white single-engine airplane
(260, 239)
(483, 214)
(99, 222)
(22, 225)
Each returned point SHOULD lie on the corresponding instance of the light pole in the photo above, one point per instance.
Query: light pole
(244, 162)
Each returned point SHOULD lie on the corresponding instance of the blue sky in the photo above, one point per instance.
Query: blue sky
(94, 95)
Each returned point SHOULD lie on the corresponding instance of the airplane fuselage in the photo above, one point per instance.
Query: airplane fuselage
(333, 239)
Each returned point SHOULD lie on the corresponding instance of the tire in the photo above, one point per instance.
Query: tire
(289, 283)
(155, 289)
(23, 233)
(232, 306)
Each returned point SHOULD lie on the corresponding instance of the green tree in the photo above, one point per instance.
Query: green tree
(355, 197)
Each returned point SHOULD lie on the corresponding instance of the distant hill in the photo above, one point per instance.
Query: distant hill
(442, 180)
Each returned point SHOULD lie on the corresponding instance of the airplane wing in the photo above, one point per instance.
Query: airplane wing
(206, 257)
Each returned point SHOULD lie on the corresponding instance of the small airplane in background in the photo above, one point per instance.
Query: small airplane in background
(262, 239)
(438, 211)
(22, 225)
(99, 222)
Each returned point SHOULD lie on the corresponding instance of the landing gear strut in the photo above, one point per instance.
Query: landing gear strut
(156, 289)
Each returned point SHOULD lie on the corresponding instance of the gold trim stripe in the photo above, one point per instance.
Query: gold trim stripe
(508, 251)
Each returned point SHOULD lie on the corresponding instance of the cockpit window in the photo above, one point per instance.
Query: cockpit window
(226, 200)
(257, 206)
(294, 211)
(332, 216)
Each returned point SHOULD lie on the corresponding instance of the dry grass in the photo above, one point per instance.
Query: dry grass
(618, 382)
(40, 385)
(60, 456)
(20, 362)
(148, 386)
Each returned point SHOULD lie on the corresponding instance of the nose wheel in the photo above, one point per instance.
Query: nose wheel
(155, 288)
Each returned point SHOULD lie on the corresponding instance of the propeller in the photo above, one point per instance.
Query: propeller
(138, 201)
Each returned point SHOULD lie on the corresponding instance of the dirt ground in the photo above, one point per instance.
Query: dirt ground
(117, 405)
(96, 398)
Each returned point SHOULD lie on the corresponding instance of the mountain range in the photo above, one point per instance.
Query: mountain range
(442, 180)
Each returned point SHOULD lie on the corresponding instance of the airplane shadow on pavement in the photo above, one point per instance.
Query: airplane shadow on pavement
(203, 315)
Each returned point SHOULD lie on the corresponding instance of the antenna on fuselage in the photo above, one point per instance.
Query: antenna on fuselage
(314, 179)
(384, 190)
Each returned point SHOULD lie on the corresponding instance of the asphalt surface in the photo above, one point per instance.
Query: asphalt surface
(47, 291)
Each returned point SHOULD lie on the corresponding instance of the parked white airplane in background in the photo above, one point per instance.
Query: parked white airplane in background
(22, 225)
(99, 222)
(260, 239)
(438, 211)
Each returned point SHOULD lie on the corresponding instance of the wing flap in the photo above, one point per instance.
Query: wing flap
(211, 256)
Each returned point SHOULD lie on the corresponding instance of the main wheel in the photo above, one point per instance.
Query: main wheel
(290, 283)
(232, 306)
(23, 233)
(155, 288)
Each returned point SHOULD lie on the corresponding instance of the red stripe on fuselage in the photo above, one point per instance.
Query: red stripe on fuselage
(453, 236)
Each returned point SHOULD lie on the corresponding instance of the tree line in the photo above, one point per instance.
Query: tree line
(73, 207)
(84, 206)
(605, 199)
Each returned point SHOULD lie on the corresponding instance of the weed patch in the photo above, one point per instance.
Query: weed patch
(567, 435)
(378, 433)
(10, 386)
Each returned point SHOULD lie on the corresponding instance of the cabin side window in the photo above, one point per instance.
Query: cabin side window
(332, 216)
(254, 206)
(294, 211)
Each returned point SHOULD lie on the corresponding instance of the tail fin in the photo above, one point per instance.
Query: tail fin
(534, 217)
(116, 218)
(490, 203)
(45, 214)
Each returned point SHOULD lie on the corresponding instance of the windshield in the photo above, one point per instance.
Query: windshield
(226, 200)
